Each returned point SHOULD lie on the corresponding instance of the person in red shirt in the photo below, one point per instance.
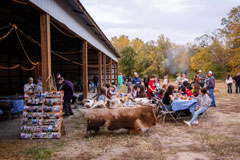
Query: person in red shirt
(188, 90)
(151, 86)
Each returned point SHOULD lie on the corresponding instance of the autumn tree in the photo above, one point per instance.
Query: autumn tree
(137, 44)
(120, 43)
(231, 29)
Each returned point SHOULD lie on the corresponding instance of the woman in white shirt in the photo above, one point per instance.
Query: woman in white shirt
(229, 82)
(165, 81)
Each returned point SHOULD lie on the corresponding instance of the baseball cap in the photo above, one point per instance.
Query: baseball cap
(210, 72)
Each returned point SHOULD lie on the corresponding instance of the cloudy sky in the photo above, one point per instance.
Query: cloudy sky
(180, 20)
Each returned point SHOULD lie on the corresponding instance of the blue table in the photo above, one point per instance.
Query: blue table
(179, 104)
(17, 105)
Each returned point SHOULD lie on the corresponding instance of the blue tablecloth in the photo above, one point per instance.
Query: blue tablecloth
(180, 104)
(17, 105)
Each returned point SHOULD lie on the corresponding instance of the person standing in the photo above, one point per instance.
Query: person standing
(68, 89)
(157, 86)
(196, 79)
(38, 87)
(30, 86)
(237, 82)
(129, 85)
(136, 79)
(151, 86)
(124, 79)
(201, 78)
(184, 78)
(57, 78)
(229, 82)
(210, 83)
(146, 81)
(165, 81)
(95, 83)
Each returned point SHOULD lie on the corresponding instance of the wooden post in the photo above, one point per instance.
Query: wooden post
(114, 73)
(110, 71)
(117, 72)
(45, 50)
(99, 70)
(85, 68)
(104, 69)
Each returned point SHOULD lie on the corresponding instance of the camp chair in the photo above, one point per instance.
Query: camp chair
(166, 112)
(6, 108)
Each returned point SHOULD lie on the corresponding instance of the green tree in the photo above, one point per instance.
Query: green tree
(127, 61)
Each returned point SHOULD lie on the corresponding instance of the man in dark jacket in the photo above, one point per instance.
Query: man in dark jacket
(95, 83)
(146, 81)
(237, 82)
(68, 89)
(210, 83)
(136, 79)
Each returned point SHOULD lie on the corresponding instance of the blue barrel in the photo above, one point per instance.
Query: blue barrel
(120, 80)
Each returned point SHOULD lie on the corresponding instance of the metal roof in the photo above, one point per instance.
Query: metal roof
(79, 8)
(74, 16)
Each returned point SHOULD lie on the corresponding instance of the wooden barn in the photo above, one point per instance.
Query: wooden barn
(42, 37)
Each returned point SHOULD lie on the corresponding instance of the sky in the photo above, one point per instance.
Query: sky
(180, 20)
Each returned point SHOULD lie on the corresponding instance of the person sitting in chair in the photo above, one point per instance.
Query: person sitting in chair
(204, 102)
(168, 98)
(30, 86)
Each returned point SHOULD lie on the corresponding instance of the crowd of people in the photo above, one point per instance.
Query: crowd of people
(199, 88)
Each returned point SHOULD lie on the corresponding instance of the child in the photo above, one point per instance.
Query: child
(109, 92)
(141, 92)
(161, 93)
(164, 87)
(204, 102)
(196, 88)
(102, 95)
(134, 92)
(188, 90)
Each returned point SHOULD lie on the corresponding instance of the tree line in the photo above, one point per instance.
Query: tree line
(218, 51)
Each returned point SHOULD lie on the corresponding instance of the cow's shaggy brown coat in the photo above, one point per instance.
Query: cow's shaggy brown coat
(138, 118)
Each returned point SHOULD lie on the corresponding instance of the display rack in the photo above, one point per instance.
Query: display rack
(42, 115)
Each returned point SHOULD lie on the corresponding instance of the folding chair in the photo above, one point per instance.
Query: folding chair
(166, 112)
(203, 115)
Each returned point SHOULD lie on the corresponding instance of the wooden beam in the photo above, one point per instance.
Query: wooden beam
(117, 72)
(104, 69)
(85, 68)
(99, 70)
(110, 71)
(114, 73)
(45, 50)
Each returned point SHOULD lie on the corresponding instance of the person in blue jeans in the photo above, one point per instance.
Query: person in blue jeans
(204, 101)
(237, 82)
(210, 87)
